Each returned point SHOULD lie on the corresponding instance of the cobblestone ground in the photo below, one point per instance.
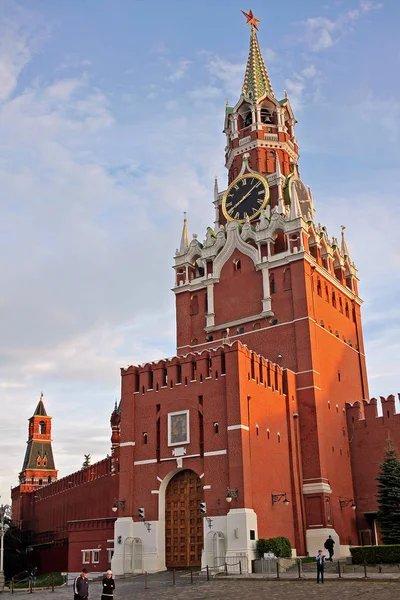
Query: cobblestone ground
(160, 587)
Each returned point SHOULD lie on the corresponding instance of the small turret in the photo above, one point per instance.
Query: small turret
(343, 246)
(115, 422)
(185, 242)
(38, 467)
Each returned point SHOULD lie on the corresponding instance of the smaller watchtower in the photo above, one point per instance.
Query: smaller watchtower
(38, 468)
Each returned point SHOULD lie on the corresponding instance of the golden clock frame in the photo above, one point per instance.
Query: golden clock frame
(235, 182)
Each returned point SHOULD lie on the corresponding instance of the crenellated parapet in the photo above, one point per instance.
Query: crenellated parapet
(198, 367)
(365, 414)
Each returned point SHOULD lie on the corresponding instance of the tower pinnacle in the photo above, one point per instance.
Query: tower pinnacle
(185, 242)
(256, 81)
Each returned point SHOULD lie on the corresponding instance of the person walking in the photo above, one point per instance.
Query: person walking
(81, 586)
(329, 544)
(320, 566)
(108, 587)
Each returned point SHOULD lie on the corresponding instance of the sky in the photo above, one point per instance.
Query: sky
(111, 118)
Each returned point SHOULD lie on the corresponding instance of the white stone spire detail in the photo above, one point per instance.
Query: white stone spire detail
(185, 242)
(295, 210)
(281, 204)
(343, 247)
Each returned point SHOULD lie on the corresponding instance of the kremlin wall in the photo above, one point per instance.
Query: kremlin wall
(260, 426)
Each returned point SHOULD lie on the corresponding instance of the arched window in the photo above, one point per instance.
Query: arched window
(280, 244)
(42, 427)
(266, 116)
(272, 287)
(236, 264)
(194, 305)
(247, 119)
(319, 289)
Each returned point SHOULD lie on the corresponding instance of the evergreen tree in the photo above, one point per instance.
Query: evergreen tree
(388, 496)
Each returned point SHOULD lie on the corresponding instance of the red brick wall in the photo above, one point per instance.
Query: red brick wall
(369, 435)
(85, 495)
(238, 396)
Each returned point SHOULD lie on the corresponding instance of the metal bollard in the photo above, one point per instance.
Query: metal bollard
(339, 571)
(12, 585)
(365, 570)
(226, 569)
(52, 583)
(299, 568)
(208, 573)
(191, 575)
(146, 587)
(278, 575)
(240, 567)
(173, 577)
(30, 586)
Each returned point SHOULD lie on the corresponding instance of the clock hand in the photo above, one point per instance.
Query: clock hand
(244, 198)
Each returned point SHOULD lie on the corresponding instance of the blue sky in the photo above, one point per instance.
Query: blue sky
(111, 117)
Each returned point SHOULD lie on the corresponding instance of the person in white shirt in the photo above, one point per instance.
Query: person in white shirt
(320, 566)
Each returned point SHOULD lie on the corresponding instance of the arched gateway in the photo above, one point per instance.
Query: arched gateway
(183, 521)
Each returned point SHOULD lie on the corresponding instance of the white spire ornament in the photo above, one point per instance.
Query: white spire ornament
(185, 237)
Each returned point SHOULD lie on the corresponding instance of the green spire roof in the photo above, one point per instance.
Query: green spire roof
(40, 409)
(256, 81)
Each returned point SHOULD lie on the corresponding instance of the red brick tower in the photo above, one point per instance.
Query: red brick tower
(38, 468)
(268, 275)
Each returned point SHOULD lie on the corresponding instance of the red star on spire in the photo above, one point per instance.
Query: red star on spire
(251, 20)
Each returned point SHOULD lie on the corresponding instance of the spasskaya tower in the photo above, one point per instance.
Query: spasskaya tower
(268, 275)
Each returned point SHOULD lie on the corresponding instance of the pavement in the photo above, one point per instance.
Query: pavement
(160, 587)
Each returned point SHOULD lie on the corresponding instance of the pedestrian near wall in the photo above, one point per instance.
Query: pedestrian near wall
(108, 587)
(320, 566)
(329, 545)
(81, 586)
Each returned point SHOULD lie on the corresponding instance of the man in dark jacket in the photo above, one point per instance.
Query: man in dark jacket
(320, 566)
(81, 586)
(329, 546)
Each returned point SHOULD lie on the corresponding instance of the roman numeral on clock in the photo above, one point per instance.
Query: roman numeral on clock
(244, 181)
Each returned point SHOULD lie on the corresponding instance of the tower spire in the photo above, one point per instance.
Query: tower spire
(185, 242)
(344, 248)
(256, 81)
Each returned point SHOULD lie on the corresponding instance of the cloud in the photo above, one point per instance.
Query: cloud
(20, 37)
(304, 83)
(179, 71)
(227, 73)
(322, 33)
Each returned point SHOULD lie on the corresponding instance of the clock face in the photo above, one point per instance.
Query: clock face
(246, 197)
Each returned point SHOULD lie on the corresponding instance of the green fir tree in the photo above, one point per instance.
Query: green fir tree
(388, 496)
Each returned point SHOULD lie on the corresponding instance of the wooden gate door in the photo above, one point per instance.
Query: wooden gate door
(183, 521)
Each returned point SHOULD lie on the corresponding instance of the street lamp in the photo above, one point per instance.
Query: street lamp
(5, 513)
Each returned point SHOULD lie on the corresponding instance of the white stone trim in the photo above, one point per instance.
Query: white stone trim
(319, 487)
(155, 492)
(233, 241)
(150, 461)
(206, 487)
(309, 371)
(240, 426)
(215, 453)
(308, 387)
(126, 444)
(184, 456)
(237, 322)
